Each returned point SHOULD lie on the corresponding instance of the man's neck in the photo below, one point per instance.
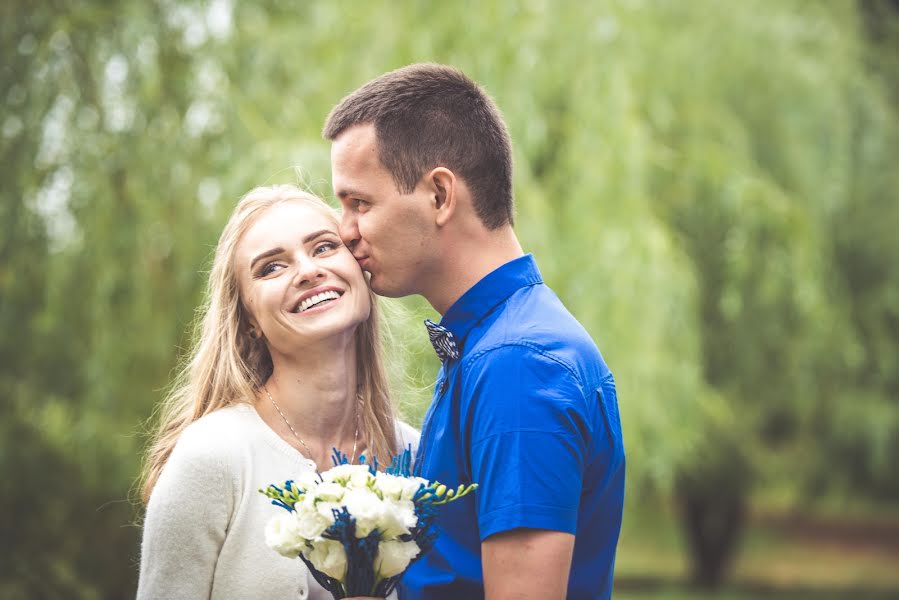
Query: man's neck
(467, 262)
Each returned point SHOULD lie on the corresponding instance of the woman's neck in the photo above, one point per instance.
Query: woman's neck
(314, 399)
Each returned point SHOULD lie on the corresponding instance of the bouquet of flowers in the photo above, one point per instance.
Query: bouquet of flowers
(355, 527)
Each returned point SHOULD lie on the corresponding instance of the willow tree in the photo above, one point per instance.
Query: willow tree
(708, 187)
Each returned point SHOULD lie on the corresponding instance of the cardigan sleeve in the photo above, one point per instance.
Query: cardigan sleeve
(407, 437)
(186, 521)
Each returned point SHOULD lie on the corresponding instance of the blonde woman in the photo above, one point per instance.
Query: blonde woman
(286, 367)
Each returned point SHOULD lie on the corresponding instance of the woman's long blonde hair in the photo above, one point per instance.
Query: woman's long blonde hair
(226, 366)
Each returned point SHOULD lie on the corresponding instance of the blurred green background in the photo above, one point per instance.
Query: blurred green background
(710, 186)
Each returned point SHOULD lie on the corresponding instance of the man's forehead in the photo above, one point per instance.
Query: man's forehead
(356, 144)
(355, 167)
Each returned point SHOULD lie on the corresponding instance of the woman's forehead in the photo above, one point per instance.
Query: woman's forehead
(285, 223)
(292, 218)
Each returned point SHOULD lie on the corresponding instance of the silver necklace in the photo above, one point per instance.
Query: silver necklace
(300, 440)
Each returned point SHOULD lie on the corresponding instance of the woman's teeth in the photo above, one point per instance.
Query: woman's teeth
(317, 299)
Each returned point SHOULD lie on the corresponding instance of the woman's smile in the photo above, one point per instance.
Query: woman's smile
(317, 300)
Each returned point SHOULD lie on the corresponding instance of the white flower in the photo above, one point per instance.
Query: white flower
(407, 513)
(398, 487)
(310, 522)
(329, 557)
(394, 556)
(283, 536)
(306, 480)
(411, 486)
(328, 491)
(390, 485)
(397, 518)
(326, 510)
(349, 476)
(366, 508)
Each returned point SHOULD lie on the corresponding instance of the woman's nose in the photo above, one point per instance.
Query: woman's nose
(308, 271)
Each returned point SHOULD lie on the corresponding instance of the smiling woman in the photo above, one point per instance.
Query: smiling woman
(285, 368)
(301, 286)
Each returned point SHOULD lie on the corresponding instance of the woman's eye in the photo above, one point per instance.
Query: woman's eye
(268, 269)
(325, 247)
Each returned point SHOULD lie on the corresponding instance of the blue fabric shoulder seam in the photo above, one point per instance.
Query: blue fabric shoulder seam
(537, 348)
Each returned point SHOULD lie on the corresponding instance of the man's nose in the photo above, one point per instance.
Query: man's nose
(348, 230)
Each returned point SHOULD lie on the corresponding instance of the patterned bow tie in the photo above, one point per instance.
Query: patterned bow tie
(442, 340)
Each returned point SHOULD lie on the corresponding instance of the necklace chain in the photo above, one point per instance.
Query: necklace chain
(300, 440)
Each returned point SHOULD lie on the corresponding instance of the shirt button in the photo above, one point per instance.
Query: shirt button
(443, 386)
(303, 592)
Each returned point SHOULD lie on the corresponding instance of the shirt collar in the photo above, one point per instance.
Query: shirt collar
(488, 293)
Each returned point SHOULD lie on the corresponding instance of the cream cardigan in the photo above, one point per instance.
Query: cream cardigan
(204, 528)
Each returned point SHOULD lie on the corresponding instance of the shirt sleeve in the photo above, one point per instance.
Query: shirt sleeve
(185, 525)
(529, 434)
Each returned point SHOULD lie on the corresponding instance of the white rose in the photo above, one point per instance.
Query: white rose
(411, 486)
(398, 518)
(329, 557)
(326, 510)
(306, 480)
(390, 485)
(366, 508)
(407, 513)
(360, 479)
(350, 476)
(283, 536)
(328, 491)
(310, 522)
(394, 556)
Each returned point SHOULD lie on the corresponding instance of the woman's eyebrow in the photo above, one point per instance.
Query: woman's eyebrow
(266, 254)
(279, 249)
(315, 234)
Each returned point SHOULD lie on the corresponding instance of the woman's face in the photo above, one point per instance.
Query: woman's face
(298, 282)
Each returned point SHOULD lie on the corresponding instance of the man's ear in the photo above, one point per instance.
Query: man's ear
(443, 186)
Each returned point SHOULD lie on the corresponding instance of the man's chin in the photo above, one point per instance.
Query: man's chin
(383, 288)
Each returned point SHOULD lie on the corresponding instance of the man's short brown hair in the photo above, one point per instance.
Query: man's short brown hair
(427, 116)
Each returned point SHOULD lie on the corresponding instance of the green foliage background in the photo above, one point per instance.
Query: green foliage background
(709, 186)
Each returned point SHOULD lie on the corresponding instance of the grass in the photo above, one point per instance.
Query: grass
(778, 559)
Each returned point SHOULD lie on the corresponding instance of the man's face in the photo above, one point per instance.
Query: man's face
(391, 234)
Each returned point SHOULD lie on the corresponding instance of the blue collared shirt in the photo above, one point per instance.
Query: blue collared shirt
(528, 412)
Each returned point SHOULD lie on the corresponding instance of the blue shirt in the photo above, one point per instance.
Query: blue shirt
(528, 412)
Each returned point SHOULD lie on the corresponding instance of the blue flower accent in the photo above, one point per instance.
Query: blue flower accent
(284, 497)
(339, 458)
(401, 466)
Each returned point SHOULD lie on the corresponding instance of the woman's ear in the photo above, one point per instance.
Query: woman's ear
(252, 329)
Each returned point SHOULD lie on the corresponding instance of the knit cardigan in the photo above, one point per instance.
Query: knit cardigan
(204, 528)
